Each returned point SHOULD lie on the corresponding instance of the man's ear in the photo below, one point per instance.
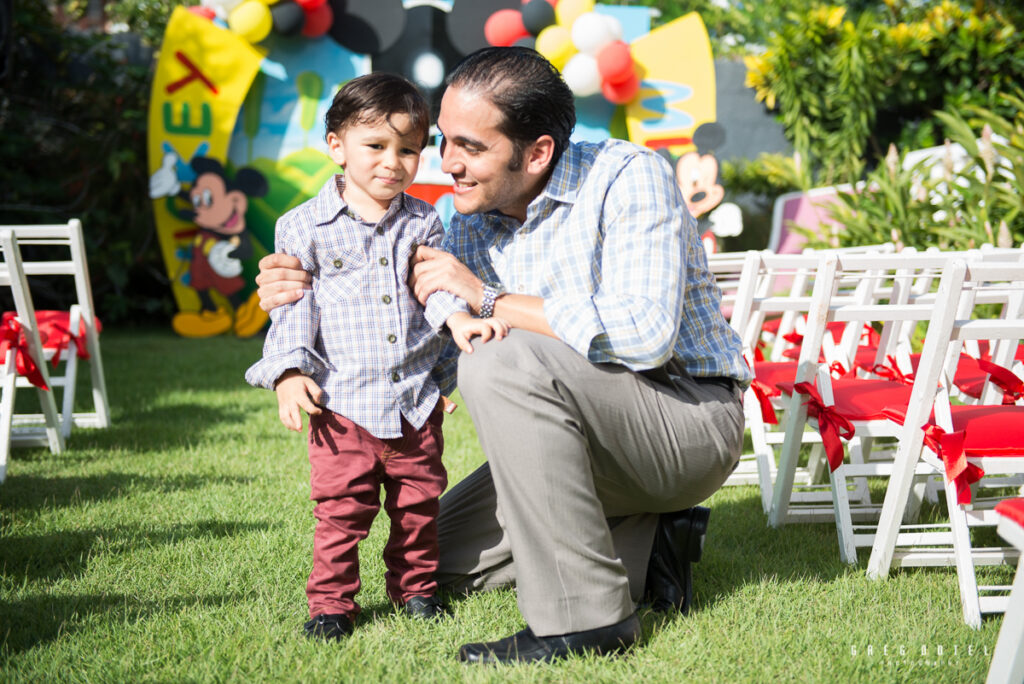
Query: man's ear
(540, 154)
(335, 150)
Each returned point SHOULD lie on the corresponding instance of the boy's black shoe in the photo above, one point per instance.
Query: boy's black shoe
(334, 627)
(425, 608)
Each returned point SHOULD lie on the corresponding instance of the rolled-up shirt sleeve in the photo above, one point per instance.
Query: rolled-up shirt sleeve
(291, 339)
(633, 316)
(440, 304)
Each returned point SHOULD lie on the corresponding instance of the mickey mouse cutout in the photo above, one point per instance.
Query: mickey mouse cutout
(697, 176)
(219, 244)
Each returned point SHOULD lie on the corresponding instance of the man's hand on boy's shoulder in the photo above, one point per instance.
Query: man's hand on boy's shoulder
(464, 328)
(281, 280)
(296, 391)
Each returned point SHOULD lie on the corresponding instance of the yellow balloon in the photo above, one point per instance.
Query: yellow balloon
(568, 11)
(251, 20)
(555, 43)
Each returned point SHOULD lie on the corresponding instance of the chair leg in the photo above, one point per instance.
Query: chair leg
(99, 383)
(796, 418)
(897, 493)
(844, 521)
(8, 382)
(68, 400)
(966, 578)
(1007, 665)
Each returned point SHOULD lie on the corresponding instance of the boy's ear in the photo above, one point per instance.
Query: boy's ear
(335, 150)
(539, 155)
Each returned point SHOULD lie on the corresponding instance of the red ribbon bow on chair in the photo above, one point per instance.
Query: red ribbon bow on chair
(950, 448)
(831, 424)
(762, 390)
(892, 372)
(1004, 379)
(11, 334)
(68, 338)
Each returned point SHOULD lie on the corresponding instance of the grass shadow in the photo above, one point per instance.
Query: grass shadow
(36, 492)
(41, 619)
(64, 555)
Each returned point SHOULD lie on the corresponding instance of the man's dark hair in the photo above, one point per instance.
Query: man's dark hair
(528, 91)
(374, 97)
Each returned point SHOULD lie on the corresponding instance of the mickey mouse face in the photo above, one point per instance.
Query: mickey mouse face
(417, 38)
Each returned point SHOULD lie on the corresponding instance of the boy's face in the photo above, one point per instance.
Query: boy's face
(380, 160)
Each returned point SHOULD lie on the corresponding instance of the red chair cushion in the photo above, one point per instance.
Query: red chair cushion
(859, 399)
(1012, 509)
(53, 329)
(771, 373)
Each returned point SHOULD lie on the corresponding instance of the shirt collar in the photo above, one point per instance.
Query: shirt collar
(329, 202)
(566, 177)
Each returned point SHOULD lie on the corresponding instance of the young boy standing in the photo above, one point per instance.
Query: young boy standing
(356, 354)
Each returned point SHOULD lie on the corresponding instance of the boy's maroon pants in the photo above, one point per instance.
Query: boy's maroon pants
(348, 467)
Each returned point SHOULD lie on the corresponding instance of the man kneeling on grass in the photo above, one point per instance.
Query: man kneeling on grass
(612, 407)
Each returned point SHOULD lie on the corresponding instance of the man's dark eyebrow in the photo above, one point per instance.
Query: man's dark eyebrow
(464, 141)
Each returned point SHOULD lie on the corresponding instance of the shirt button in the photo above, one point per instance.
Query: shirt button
(386, 299)
(392, 339)
(383, 261)
(337, 263)
(395, 377)
(380, 230)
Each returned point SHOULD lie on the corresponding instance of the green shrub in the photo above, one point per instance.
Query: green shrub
(846, 87)
(983, 202)
(73, 122)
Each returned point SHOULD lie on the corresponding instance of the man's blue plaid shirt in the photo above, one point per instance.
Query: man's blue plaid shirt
(611, 248)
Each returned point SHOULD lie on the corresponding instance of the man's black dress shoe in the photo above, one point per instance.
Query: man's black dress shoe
(678, 542)
(526, 647)
(328, 627)
(425, 608)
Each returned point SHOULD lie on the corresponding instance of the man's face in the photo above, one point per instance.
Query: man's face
(478, 157)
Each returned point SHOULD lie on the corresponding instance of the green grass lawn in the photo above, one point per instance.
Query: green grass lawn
(175, 545)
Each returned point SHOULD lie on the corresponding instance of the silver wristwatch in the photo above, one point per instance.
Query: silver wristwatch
(491, 293)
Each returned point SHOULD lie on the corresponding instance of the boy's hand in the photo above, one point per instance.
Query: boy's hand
(464, 328)
(296, 391)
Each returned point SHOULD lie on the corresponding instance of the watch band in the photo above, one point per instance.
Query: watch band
(491, 293)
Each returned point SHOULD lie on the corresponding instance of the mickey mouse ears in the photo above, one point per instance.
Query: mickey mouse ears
(368, 26)
(375, 26)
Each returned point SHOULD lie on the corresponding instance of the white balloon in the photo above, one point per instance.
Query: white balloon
(581, 75)
(591, 32)
(614, 26)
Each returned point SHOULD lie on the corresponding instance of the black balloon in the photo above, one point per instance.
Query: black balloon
(466, 22)
(527, 41)
(368, 26)
(288, 17)
(537, 15)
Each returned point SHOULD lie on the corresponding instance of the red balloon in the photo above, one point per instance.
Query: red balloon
(204, 12)
(615, 62)
(318, 21)
(621, 93)
(310, 5)
(504, 27)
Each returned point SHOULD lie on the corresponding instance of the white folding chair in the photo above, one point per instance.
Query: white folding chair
(1007, 666)
(24, 350)
(70, 335)
(850, 403)
(963, 442)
